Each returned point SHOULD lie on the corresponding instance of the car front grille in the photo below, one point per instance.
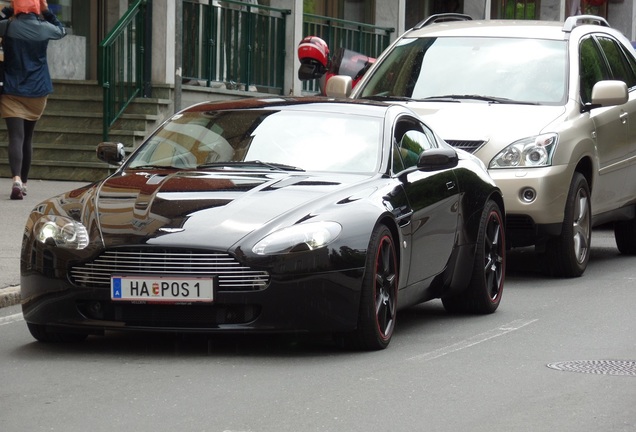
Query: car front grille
(232, 276)
(469, 146)
(153, 315)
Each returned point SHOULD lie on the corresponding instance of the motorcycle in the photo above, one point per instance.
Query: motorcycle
(316, 63)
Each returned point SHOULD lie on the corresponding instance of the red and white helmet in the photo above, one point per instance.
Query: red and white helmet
(313, 49)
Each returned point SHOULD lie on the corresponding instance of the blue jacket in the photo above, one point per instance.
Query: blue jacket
(25, 44)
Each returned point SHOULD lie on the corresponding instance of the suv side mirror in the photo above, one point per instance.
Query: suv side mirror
(339, 86)
(608, 93)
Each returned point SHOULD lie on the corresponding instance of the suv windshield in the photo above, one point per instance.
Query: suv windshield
(508, 70)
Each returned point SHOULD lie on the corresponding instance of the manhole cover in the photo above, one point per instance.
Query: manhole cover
(600, 367)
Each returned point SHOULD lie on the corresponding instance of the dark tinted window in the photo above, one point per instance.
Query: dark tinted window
(411, 138)
(592, 68)
(619, 65)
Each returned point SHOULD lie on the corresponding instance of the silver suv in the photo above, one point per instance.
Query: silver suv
(549, 107)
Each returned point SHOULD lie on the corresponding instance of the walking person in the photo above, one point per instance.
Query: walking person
(27, 28)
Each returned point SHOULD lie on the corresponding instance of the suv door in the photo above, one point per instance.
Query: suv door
(623, 67)
(602, 58)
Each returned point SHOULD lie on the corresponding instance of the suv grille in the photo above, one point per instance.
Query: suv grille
(232, 276)
(469, 146)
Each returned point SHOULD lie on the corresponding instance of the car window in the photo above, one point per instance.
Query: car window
(518, 69)
(618, 62)
(592, 68)
(411, 138)
(630, 59)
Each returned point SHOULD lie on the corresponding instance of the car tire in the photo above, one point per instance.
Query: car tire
(483, 294)
(625, 236)
(568, 254)
(41, 334)
(378, 298)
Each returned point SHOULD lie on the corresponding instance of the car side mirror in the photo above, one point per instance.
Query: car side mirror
(111, 152)
(608, 93)
(437, 159)
(339, 86)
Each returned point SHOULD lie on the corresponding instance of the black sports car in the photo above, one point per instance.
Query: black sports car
(268, 215)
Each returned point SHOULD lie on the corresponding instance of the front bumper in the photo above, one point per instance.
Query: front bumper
(326, 302)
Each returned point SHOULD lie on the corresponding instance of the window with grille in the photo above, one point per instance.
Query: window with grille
(516, 9)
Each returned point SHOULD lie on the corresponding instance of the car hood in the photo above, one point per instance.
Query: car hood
(217, 209)
(498, 125)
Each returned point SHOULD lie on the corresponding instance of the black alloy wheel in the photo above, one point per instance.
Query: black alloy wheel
(378, 299)
(483, 294)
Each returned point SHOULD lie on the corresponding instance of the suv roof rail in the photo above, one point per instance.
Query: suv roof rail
(577, 20)
(438, 18)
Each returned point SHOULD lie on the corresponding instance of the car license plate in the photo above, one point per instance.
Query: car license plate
(162, 289)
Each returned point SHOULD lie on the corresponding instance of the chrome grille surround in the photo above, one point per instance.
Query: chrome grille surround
(232, 276)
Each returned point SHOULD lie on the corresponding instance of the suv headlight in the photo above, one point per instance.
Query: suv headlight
(527, 153)
(298, 238)
(61, 231)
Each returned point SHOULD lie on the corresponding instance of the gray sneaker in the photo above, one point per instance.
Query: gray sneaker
(16, 191)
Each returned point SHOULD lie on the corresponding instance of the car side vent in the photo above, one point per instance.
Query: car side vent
(439, 18)
(579, 20)
(468, 146)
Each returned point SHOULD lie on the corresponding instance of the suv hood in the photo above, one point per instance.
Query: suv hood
(498, 125)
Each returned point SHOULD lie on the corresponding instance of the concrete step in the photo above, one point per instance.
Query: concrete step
(72, 125)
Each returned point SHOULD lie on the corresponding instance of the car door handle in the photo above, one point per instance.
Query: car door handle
(450, 185)
(623, 117)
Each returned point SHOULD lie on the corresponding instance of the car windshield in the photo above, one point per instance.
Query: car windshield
(497, 70)
(264, 140)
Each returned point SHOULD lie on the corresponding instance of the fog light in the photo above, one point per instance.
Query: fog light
(528, 195)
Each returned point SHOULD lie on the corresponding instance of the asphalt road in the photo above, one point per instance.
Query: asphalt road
(441, 372)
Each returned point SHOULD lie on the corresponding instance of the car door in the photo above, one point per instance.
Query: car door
(433, 197)
(615, 126)
(623, 67)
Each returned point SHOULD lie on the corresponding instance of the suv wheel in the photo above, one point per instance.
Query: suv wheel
(625, 236)
(568, 254)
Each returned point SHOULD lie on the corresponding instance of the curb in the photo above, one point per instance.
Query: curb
(9, 296)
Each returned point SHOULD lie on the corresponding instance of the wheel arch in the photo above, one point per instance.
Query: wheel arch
(391, 224)
(585, 166)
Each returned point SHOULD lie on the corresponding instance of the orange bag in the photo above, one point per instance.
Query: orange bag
(26, 6)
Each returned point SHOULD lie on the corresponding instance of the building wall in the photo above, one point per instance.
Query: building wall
(68, 57)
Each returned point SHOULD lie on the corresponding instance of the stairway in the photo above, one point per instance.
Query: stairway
(71, 127)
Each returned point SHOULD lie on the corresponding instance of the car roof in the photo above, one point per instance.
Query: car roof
(531, 29)
(306, 103)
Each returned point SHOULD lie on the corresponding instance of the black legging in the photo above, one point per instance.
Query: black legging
(20, 150)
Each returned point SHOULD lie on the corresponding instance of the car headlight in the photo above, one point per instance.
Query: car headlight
(527, 153)
(297, 238)
(61, 231)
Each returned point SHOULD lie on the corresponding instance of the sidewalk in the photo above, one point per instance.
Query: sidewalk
(13, 216)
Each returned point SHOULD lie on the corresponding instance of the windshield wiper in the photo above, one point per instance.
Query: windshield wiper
(379, 97)
(142, 167)
(271, 165)
(491, 99)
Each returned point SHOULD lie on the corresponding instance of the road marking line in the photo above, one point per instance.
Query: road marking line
(11, 319)
(467, 343)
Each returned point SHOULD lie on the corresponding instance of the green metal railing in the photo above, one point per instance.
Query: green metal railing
(122, 64)
(360, 37)
(238, 44)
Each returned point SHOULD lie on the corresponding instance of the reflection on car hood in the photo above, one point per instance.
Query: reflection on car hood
(216, 209)
(499, 124)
